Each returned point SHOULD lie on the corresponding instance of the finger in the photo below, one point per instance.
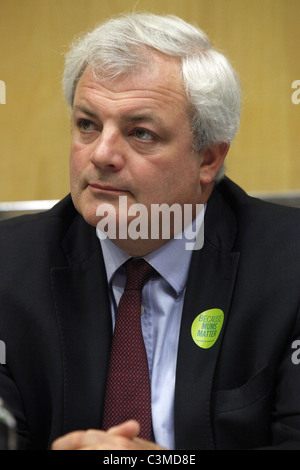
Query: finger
(70, 441)
(79, 439)
(128, 429)
(146, 445)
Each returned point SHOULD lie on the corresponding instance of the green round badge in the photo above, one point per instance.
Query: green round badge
(206, 327)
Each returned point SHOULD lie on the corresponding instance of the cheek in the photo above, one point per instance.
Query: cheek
(182, 183)
(74, 171)
(78, 159)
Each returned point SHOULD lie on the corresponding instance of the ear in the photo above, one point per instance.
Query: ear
(212, 160)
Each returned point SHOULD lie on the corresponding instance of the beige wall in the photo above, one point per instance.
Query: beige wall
(260, 37)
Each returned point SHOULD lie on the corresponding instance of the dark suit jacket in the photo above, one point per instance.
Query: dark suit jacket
(243, 392)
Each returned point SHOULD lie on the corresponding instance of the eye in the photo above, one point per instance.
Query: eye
(86, 125)
(143, 134)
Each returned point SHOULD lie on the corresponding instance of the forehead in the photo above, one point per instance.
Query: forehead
(158, 85)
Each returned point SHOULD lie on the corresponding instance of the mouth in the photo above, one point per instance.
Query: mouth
(102, 188)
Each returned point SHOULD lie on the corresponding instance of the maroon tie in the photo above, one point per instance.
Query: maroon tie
(128, 391)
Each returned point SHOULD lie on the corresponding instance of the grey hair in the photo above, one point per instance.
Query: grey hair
(121, 46)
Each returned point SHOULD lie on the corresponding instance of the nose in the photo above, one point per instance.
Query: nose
(108, 152)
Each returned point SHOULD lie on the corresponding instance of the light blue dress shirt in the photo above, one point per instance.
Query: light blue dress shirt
(162, 303)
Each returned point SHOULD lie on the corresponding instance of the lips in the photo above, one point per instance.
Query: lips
(96, 187)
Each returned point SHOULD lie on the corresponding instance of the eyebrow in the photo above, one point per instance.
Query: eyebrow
(85, 111)
(142, 117)
(134, 118)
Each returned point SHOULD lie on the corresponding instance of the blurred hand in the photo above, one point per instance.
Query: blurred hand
(121, 437)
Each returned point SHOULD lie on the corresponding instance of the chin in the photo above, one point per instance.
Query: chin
(87, 210)
(90, 217)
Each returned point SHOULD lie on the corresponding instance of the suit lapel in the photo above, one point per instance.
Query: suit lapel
(83, 314)
(210, 285)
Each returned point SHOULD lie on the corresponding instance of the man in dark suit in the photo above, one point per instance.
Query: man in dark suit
(154, 110)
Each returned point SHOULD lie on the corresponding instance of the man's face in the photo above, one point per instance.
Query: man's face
(132, 137)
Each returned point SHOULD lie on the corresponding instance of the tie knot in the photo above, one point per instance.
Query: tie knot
(137, 273)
